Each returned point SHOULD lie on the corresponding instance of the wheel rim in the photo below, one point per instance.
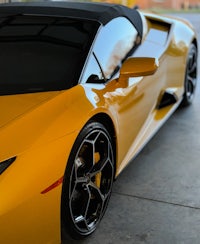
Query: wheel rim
(91, 181)
(191, 75)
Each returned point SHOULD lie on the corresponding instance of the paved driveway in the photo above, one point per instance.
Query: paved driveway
(157, 198)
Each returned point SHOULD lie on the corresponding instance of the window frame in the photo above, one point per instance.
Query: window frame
(83, 79)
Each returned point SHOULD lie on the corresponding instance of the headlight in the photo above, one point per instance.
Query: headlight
(5, 164)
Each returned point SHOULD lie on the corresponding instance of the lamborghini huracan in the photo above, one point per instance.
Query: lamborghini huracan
(84, 86)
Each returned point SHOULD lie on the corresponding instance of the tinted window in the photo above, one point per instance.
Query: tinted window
(114, 43)
(42, 53)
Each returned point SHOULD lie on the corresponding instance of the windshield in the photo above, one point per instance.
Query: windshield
(42, 53)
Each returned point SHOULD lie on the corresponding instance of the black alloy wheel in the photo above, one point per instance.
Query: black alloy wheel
(190, 76)
(87, 182)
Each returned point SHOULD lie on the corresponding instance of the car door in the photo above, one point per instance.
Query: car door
(132, 101)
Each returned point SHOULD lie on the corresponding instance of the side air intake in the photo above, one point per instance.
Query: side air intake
(169, 98)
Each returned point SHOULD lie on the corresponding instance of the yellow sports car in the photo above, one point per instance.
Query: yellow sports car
(84, 86)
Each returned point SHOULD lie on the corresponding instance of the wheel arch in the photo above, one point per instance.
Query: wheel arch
(102, 121)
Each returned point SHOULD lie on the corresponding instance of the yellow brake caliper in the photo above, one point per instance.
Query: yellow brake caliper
(98, 175)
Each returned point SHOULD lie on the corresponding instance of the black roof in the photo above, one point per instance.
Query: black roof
(100, 12)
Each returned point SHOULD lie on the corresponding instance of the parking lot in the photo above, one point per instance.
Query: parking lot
(157, 197)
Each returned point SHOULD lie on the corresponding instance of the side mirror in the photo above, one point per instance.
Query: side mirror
(135, 67)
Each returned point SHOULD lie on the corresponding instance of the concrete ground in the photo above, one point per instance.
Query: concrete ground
(157, 197)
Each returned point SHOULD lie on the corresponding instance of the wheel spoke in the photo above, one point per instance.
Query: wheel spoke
(191, 80)
(82, 180)
(192, 64)
(80, 200)
(97, 168)
(190, 86)
(96, 191)
(79, 219)
(94, 211)
(87, 208)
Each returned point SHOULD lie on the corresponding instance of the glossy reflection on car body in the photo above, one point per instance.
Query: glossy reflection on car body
(81, 109)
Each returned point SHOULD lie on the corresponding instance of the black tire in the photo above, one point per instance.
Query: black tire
(87, 182)
(190, 76)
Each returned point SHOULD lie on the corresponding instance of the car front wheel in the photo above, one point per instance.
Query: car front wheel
(87, 182)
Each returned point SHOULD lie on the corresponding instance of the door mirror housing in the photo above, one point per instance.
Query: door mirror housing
(136, 67)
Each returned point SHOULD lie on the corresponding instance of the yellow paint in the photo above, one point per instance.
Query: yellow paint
(40, 130)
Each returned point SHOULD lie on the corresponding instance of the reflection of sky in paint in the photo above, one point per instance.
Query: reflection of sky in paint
(114, 42)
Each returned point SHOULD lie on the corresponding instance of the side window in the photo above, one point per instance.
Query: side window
(114, 42)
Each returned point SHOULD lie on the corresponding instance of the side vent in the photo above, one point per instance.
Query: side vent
(169, 97)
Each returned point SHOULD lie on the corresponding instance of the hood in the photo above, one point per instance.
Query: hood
(22, 120)
(14, 106)
(37, 119)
